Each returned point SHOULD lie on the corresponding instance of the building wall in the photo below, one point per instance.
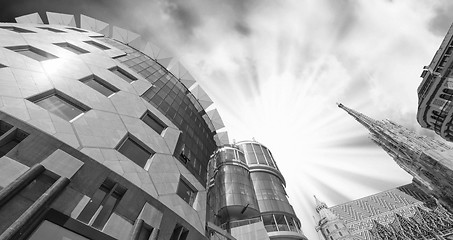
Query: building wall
(86, 149)
(435, 92)
(269, 205)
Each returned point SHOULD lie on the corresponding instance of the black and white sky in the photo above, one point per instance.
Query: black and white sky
(275, 70)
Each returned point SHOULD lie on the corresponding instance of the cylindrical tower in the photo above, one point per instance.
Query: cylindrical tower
(231, 194)
(276, 212)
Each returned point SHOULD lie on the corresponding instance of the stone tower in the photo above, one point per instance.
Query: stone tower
(330, 225)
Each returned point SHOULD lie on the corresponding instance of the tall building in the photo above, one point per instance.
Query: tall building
(405, 212)
(428, 160)
(413, 211)
(247, 196)
(102, 135)
(435, 93)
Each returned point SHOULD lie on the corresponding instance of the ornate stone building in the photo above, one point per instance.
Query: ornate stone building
(414, 211)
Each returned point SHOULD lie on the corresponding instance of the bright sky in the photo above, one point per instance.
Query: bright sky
(275, 70)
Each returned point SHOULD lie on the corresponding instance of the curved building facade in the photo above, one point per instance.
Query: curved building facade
(264, 205)
(98, 138)
(435, 93)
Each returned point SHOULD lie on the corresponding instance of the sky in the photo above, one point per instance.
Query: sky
(275, 70)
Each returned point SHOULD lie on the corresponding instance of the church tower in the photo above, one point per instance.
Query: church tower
(330, 225)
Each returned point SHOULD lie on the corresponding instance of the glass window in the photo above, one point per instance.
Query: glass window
(179, 233)
(52, 29)
(4, 127)
(60, 107)
(123, 74)
(51, 231)
(102, 204)
(16, 29)
(71, 48)
(269, 223)
(32, 52)
(132, 150)
(96, 44)
(153, 122)
(100, 85)
(281, 222)
(186, 192)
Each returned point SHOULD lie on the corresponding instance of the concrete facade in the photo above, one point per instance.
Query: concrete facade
(90, 145)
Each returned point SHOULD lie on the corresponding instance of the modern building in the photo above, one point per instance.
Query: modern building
(421, 210)
(102, 135)
(435, 93)
(247, 196)
(405, 212)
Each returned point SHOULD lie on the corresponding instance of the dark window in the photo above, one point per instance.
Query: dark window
(51, 231)
(52, 29)
(76, 29)
(102, 204)
(2, 66)
(10, 137)
(60, 106)
(32, 52)
(186, 192)
(123, 74)
(96, 44)
(448, 91)
(153, 122)
(135, 151)
(71, 48)
(16, 29)
(100, 85)
(145, 232)
(341, 234)
(327, 230)
(179, 233)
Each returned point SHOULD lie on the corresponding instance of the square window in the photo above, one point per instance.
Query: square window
(52, 29)
(76, 29)
(71, 48)
(153, 122)
(136, 151)
(10, 137)
(186, 192)
(123, 74)
(100, 85)
(32, 52)
(16, 29)
(96, 44)
(60, 105)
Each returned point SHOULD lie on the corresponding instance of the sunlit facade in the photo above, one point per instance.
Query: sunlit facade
(102, 135)
(247, 196)
(435, 93)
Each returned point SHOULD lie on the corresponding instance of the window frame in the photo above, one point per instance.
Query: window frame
(153, 117)
(65, 98)
(97, 45)
(21, 48)
(128, 75)
(75, 49)
(102, 83)
(188, 185)
(139, 144)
